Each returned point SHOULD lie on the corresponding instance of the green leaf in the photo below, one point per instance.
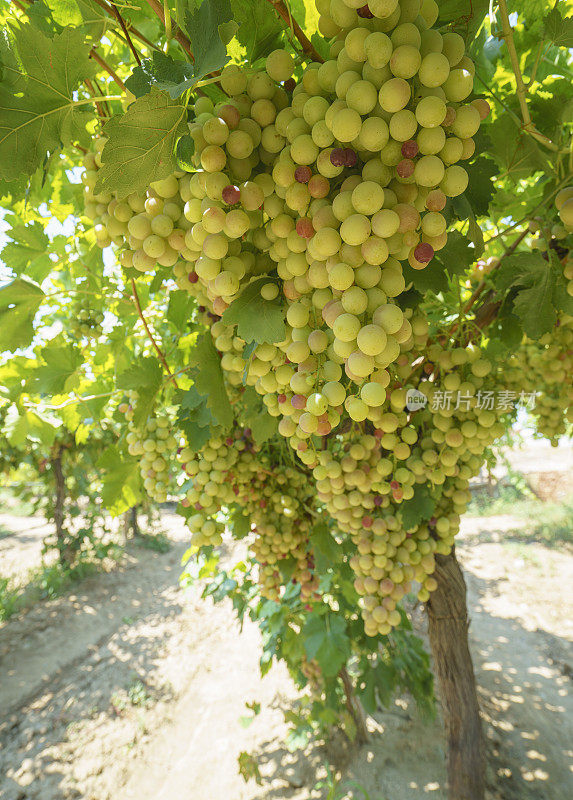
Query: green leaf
(202, 24)
(515, 152)
(38, 111)
(453, 259)
(145, 377)
(419, 509)
(208, 380)
(58, 373)
(141, 144)
(121, 482)
(257, 319)
(163, 72)
(184, 154)
(458, 254)
(239, 522)
(325, 639)
(480, 187)
(326, 549)
(255, 416)
(180, 308)
(19, 302)
(557, 28)
(467, 14)
(29, 243)
(260, 27)
(20, 426)
(537, 283)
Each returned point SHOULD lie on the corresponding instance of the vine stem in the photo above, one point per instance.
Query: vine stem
(102, 107)
(105, 66)
(113, 12)
(160, 354)
(521, 91)
(282, 9)
(482, 284)
(176, 31)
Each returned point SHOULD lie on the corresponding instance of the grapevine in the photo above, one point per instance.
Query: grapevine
(308, 279)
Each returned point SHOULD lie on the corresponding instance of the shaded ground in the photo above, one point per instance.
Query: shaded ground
(133, 689)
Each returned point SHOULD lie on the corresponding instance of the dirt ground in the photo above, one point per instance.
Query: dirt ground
(133, 688)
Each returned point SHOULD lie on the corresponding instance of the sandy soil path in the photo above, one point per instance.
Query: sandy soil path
(133, 688)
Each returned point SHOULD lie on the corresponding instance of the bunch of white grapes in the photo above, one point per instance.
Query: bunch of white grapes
(322, 190)
(232, 470)
(564, 206)
(544, 367)
(155, 445)
(86, 322)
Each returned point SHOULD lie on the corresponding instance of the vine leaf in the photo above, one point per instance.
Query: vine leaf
(208, 380)
(207, 26)
(453, 259)
(326, 639)
(256, 417)
(163, 72)
(536, 281)
(28, 248)
(180, 308)
(38, 112)
(144, 377)
(141, 144)
(121, 483)
(557, 28)
(19, 301)
(22, 425)
(419, 509)
(480, 187)
(257, 319)
(59, 372)
(260, 28)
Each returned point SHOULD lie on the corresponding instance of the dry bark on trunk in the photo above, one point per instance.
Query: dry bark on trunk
(354, 706)
(59, 501)
(448, 630)
(131, 524)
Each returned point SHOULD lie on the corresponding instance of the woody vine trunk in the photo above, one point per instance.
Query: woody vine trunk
(448, 631)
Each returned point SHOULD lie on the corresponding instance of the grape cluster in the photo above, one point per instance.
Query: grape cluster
(545, 367)
(322, 191)
(85, 322)
(564, 206)
(233, 471)
(155, 445)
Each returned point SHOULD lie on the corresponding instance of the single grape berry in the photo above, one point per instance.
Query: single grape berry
(231, 115)
(405, 168)
(231, 194)
(409, 149)
(193, 277)
(424, 252)
(303, 174)
(450, 117)
(364, 12)
(394, 485)
(350, 157)
(282, 398)
(338, 157)
(304, 228)
(298, 401)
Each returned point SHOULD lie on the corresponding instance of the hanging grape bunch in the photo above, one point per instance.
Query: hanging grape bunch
(313, 194)
(86, 322)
